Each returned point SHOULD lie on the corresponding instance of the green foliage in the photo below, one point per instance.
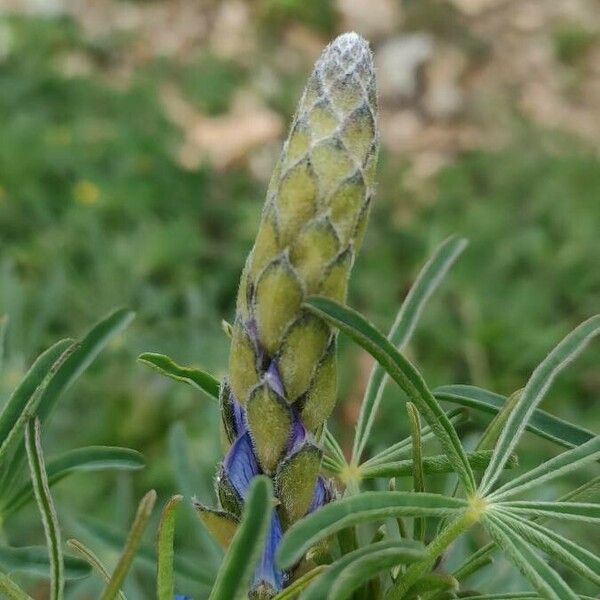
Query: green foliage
(90, 166)
(131, 545)
(277, 13)
(243, 553)
(572, 43)
(165, 584)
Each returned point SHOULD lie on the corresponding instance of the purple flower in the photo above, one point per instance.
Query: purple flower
(236, 473)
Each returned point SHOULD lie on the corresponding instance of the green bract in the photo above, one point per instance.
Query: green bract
(312, 226)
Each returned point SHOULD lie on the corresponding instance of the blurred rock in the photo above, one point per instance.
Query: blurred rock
(399, 62)
(299, 38)
(373, 18)
(444, 96)
(232, 35)
(476, 7)
(224, 140)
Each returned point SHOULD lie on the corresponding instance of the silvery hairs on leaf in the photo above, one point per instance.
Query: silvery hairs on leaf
(282, 369)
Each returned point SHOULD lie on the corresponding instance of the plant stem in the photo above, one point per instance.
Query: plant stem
(434, 549)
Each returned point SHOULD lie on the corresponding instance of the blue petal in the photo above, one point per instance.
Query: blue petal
(238, 416)
(321, 496)
(181, 597)
(273, 378)
(267, 574)
(299, 435)
(240, 464)
(233, 416)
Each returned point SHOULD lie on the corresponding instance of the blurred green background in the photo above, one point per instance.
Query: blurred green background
(136, 141)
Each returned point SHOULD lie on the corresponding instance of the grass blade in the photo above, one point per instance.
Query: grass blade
(570, 511)
(146, 555)
(431, 465)
(46, 507)
(74, 364)
(10, 590)
(557, 466)
(188, 485)
(541, 423)
(197, 378)
(165, 582)
(405, 375)
(131, 545)
(572, 555)
(368, 506)
(90, 458)
(247, 543)
(22, 403)
(89, 556)
(34, 561)
(543, 578)
(88, 349)
(403, 551)
(424, 286)
(537, 386)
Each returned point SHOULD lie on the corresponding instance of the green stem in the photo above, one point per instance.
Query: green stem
(434, 549)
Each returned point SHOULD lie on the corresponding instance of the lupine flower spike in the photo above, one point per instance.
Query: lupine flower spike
(282, 368)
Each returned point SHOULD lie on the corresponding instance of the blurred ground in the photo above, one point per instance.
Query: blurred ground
(136, 141)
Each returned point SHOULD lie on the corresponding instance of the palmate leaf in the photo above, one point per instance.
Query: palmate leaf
(557, 466)
(543, 578)
(362, 508)
(438, 463)
(403, 373)
(24, 400)
(541, 423)
(396, 552)
(567, 511)
(140, 522)
(91, 458)
(537, 386)
(165, 581)
(34, 560)
(46, 507)
(194, 377)
(572, 555)
(482, 557)
(247, 543)
(404, 325)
